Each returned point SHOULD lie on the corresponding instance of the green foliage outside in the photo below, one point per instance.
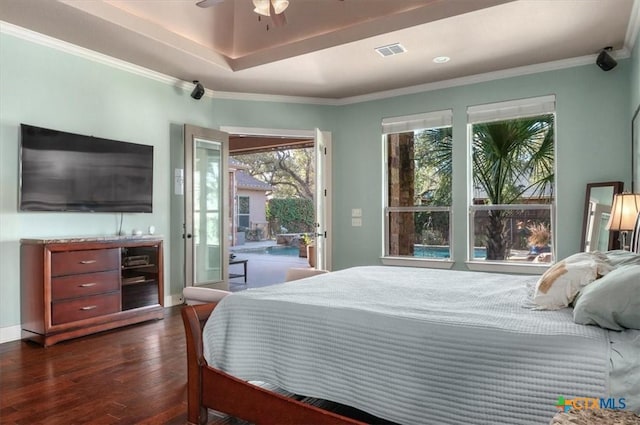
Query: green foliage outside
(289, 171)
(511, 159)
(291, 215)
(432, 154)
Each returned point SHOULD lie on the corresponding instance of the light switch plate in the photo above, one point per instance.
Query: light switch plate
(356, 212)
(356, 222)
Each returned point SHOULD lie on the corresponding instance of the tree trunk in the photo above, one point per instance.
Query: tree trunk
(497, 236)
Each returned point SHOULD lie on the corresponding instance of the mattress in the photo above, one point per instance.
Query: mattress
(412, 346)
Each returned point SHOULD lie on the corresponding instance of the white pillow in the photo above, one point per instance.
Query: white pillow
(560, 284)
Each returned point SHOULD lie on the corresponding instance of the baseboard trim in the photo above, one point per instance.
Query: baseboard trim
(172, 300)
(10, 333)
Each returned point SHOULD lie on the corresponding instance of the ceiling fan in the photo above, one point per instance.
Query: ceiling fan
(272, 8)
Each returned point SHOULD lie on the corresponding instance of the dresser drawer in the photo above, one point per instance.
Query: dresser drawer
(84, 308)
(84, 261)
(81, 285)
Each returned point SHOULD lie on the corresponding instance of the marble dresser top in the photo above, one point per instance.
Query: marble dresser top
(105, 238)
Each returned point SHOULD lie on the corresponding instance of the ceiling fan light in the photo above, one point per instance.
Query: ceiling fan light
(262, 6)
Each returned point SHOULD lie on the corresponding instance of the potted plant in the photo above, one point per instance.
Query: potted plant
(311, 253)
(307, 249)
(303, 242)
(539, 239)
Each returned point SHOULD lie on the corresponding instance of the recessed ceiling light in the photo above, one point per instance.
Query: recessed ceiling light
(441, 59)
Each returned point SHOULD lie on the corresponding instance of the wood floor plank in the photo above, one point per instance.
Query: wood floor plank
(132, 375)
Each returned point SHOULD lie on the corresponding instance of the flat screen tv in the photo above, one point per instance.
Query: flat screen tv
(62, 171)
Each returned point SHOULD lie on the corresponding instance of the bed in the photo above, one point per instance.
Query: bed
(407, 345)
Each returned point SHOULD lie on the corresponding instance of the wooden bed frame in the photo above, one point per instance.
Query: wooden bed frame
(210, 388)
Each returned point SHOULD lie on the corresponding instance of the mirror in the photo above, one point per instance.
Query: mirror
(597, 208)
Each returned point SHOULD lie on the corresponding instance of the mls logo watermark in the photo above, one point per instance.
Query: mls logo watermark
(582, 403)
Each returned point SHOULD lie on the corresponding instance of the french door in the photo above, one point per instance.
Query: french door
(206, 180)
(322, 198)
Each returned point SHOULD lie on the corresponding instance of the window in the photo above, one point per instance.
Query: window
(418, 186)
(243, 212)
(512, 148)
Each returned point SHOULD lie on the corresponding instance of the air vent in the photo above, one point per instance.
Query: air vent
(390, 50)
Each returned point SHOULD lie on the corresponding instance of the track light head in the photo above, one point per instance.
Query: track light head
(605, 61)
(198, 90)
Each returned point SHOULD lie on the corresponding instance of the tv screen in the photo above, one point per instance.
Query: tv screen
(62, 171)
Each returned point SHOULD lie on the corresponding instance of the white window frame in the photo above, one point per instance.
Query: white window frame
(403, 124)
(238, 214)
(500, 111)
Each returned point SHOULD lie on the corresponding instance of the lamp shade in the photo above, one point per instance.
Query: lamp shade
(624, 212)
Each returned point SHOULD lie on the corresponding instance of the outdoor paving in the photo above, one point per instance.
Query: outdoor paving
(262, 269)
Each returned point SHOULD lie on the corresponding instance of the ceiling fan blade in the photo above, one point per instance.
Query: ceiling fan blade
(278, 19)
(208, 3)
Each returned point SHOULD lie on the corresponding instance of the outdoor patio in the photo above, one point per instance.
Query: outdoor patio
(263, 269)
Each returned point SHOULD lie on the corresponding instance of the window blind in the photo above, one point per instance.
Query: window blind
(511, 109)
(417, 122)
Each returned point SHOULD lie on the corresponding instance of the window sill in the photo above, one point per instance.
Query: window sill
(502, 267)
(416, 262)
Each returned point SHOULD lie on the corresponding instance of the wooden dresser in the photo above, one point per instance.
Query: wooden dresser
(75, 287)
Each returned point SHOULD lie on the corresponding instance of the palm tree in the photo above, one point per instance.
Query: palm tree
(433, 177)
(511, 158)
(433, 157)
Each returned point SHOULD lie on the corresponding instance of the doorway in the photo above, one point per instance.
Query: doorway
(256, 146)
(205, 199)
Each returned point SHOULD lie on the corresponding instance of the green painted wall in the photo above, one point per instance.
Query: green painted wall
(635, 103)
(50, 88)
(592, 140)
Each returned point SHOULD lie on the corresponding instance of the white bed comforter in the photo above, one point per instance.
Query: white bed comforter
(412, 346)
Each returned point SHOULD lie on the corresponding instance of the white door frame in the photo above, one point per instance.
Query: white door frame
(311, 134)
(191, 134)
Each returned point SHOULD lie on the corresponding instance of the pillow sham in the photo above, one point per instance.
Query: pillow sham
(559, 285)
(619, 257)
(612, 302)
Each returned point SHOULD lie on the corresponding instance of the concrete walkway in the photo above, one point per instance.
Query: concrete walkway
(262, 269)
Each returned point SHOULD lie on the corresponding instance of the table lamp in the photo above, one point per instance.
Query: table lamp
(623, 214)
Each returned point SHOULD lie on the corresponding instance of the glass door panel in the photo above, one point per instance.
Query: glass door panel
(206, 207)
(206, 212)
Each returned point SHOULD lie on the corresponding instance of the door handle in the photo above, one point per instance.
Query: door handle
(188, 236)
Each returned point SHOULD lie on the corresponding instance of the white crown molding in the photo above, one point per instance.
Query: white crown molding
(64, 46)
(45, 40)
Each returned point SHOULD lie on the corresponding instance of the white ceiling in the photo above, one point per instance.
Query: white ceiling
(326, 48)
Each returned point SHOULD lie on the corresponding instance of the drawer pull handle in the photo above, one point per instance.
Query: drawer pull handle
(86, 285)
(87, 261)
(89, 307)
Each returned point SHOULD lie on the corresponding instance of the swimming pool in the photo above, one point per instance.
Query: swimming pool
(437, 252)
(292, 251)
(442, 252)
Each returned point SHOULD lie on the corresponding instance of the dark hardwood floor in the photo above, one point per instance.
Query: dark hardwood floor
(131, 375)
